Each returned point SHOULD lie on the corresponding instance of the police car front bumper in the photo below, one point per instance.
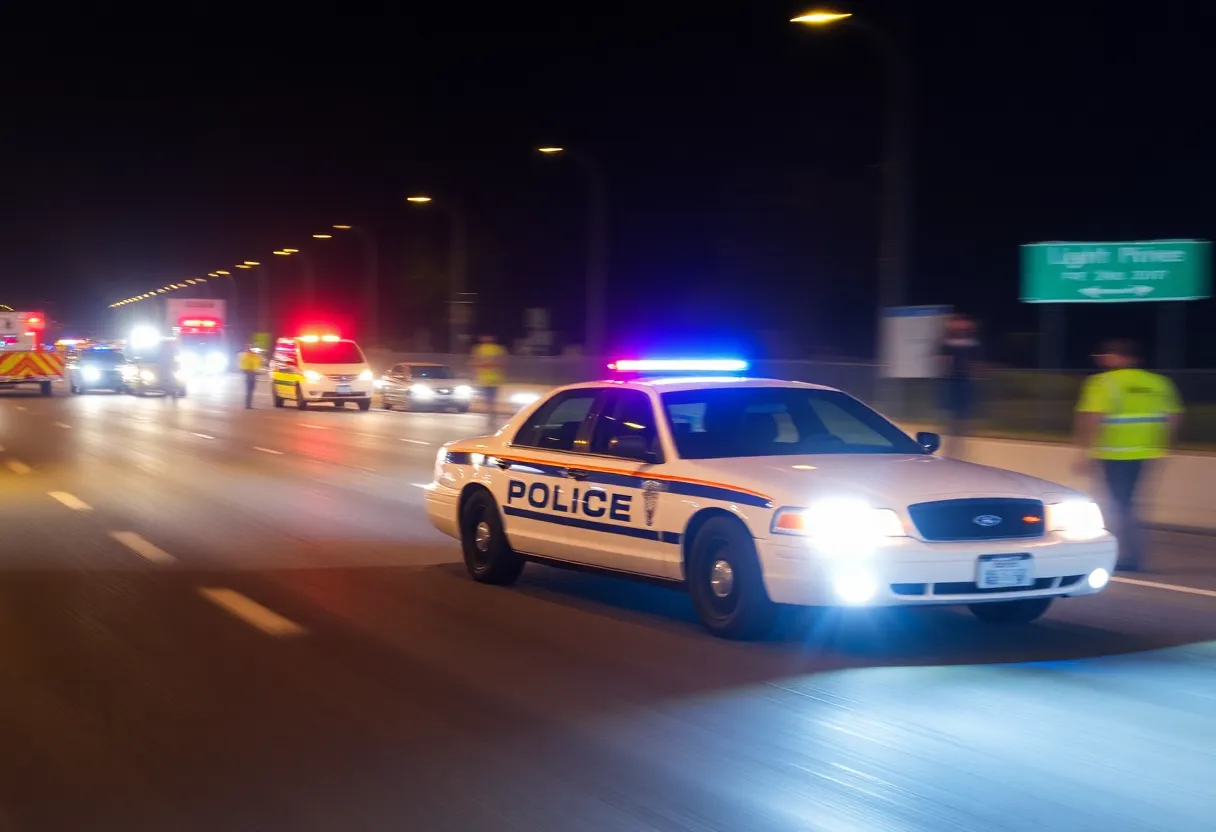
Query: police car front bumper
(327, 390)
(909, 572)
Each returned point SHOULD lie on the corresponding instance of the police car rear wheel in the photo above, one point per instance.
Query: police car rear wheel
(1022, 611)
(725, 583)
(487, 555)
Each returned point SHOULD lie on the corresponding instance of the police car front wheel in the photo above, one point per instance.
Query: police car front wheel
(725, 583)
(487, 554)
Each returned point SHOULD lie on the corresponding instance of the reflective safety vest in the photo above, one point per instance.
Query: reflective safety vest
(1135, 407)
(250, 363)
(487, 362)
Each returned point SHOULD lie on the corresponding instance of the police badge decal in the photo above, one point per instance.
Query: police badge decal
(650, 499)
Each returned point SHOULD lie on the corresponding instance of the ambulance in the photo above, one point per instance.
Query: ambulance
(23, 359)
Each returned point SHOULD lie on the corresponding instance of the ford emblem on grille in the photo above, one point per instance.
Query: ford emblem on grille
(986, 520)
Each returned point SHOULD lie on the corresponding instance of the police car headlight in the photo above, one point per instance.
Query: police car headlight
(1076, 520)
(147, 376)
(378, 384)
(192, 361)
(128, 372)
(366, 375)
(421, 391)
(312, 375)
(464, 391)
(90, 373)
(217, 362)
(840, 525)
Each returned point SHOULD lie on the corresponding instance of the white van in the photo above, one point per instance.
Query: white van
(320, 368)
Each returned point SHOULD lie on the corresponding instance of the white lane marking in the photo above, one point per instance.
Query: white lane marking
(62, 425)
(267, 450)
(314, 427)
(143, 548)
(18, 467)
(251, 612)
(23, 408)
(415, 441)
(423, 485)
(201, 435)
(70, 500)
(1189, 590)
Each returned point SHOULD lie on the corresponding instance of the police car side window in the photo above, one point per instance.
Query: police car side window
(555, 426)
(627, 413)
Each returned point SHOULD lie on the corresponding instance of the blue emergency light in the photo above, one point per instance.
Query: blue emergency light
(679, 365)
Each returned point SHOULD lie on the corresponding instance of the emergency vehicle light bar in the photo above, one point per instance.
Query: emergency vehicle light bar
(199, 322)
(679, 365)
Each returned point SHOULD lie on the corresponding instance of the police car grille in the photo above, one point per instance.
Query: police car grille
(960, 520)
(342, 378)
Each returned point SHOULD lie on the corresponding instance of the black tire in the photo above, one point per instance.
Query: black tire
(488, 556)
(276, 398)
(44, 389)
(385, 402)
(1021, 611)
(301, 402)
(365, 405)
(464, 408)
(725, 583)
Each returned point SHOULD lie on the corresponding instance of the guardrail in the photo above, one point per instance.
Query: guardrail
(1015, 403)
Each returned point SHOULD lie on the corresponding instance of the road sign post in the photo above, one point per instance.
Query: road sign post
(1157, 270)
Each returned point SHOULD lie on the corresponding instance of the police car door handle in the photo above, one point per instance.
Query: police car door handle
(575, 474)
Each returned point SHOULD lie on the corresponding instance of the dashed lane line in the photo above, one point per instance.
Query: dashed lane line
(314, 427)
(143, 548)
(267, 450)
(18, 467)
(415, 441)
(64, 425)
(1189, 590)
(70, 500)
(251, 612)
(202, 435)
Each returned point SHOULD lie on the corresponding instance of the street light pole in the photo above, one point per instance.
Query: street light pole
(897, 151)
(457, 271)
(597, 247)
(371, 280)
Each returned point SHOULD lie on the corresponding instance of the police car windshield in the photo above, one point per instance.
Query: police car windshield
(432, 372)
(331, 352)
(732, 421)
(107, 358)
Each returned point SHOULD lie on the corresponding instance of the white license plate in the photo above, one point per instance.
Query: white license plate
(343, 389)
(1005, 571)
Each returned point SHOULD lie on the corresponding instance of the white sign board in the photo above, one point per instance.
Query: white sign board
(911, 337)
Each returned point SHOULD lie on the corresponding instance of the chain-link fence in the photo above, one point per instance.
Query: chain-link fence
(1028, 403)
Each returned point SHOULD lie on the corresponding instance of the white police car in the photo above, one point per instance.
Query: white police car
(754, 493)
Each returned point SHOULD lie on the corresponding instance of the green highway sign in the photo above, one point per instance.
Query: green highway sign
(1116, 272)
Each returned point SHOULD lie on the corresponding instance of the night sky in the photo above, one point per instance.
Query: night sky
(741, 154)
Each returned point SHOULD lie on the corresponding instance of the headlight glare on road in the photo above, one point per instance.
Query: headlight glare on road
(91, 373)
(1076, 520)
(147, 376)
(421, 391)
(841, 525)
(217, 362)
(1098, 579)
(366, 375)
(312, 376)
(464, 391)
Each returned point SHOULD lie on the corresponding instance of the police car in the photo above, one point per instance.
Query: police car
(753, 493)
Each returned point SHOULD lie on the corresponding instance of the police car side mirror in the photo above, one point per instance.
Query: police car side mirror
(931, 442)
(634, 447)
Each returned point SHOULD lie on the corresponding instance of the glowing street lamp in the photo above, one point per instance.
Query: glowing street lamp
(819, 18)
(418, 199)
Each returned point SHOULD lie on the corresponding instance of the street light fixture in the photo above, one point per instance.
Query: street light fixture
(252, 263)
(243, 266)
(322, 236)
(291, 251)
(221, 271)
(550, 149)
(344, 227)
(418, 199)
(819, 18)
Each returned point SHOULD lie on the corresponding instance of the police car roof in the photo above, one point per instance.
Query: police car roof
(673, 383)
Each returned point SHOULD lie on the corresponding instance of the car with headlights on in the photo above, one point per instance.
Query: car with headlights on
(421, 386)
(754, 493)
(96, 368)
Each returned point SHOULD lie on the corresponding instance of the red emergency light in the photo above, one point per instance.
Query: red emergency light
(34, 321)
(199, 323)
(312, 338)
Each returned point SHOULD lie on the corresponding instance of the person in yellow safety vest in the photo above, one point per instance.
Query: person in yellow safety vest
(250, 363)
(487, 361)
(1126, 418)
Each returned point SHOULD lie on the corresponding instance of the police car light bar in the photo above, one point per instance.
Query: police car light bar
(679, 365)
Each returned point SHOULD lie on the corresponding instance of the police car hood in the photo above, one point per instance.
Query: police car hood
(884, 480)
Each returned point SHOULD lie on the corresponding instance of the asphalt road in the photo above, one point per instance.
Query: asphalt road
(213, 618)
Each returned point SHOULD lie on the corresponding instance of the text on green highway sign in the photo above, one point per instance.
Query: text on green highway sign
(1113, 272)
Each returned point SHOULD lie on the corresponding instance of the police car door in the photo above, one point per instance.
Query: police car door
(640, 532)
(542, 506)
